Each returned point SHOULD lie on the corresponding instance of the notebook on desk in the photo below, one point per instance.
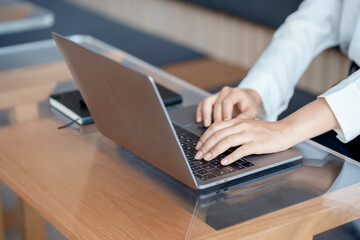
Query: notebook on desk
(72, 104)
(127, 108)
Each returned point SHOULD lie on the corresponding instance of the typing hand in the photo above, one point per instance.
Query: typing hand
(242, 103)
(250, 136)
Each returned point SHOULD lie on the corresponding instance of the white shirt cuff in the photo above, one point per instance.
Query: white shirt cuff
(345, 104)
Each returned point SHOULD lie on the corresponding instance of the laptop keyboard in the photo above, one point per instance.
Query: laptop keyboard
(203, 169)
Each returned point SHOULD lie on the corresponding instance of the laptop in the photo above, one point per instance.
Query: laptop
(127, 108)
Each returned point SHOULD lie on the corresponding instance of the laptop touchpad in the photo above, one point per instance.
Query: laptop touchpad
(186, 118)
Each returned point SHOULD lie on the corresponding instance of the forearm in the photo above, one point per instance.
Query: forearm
(309, 121)
(305, 34)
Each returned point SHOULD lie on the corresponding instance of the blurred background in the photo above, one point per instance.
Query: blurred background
(210, 43)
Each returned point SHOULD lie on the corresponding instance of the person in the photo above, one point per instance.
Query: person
(266, 90)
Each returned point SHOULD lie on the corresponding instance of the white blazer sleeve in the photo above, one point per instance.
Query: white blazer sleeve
(344, 101)
(310, 30)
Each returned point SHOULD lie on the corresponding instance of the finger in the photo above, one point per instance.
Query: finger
(218, 111)
(248, 114)
(227, 109)
(228, 104)
(216, 138)
(213, 128)
(218, 104)
(207, 109)
(242, 151)
(244, 116)
(227, 142)
(199, 113)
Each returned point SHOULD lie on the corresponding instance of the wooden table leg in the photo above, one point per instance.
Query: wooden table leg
(33, 226)
(2, 222)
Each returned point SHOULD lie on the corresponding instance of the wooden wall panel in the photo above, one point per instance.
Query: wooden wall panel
(221, 36)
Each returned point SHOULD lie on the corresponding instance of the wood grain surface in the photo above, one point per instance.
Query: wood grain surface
(83, 192)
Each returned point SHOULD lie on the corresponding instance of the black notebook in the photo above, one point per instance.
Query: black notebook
(72, 105)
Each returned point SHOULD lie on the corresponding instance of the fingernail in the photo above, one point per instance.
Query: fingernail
(198, 155)
(206, 122)
(207, 156)
(198, 119)
(198, 145)
(224, 161)
(225, 119)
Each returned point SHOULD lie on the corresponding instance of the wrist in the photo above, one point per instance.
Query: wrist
(255, 96)
(290, 129)
(309, 121)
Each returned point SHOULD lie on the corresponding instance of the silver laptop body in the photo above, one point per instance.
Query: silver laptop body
(127, 108)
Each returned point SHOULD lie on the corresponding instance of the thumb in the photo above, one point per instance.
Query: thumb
(247, 114)
(244, 116)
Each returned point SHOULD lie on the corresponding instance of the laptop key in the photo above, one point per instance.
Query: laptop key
(210, 175)
(236, 166)
(247, 164)
(208, 167)
(192, 151)
(193, 160)
(195, 168)
(197, 162)
(202, 172)
(201, 177)
(181, 136)
(188, 152)
(217, 172)
(187, 148)
(225, 169)
(229, 169)
(193, 144)
(215, 163)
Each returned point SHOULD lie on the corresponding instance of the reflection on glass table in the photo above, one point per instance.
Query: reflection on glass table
(319, 172)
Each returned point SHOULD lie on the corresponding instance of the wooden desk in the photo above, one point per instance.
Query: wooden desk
(86, 186)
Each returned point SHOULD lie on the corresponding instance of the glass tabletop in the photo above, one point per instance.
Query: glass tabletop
(319, 172)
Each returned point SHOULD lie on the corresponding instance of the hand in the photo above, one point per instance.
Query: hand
(258, 137)
(252, 137)
(242, 103)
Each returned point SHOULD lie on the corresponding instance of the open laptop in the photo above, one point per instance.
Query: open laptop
(127, 108)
